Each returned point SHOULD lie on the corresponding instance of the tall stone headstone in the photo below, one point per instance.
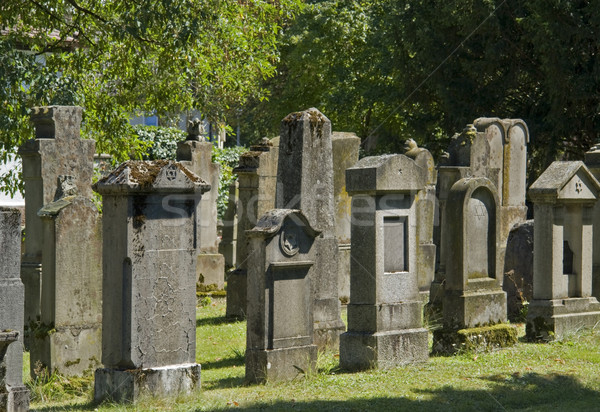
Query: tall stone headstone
(495, 149)
(592, 161)
(257, 179)
(228, 244)
(473, 295)
(426, 218)
(150, 226)
(280, 318)
(305, 182)
(57, 150)
(14, 396)
(563, 197)
(196, 155)
(385, 326)
(345, 148)
(69, 337)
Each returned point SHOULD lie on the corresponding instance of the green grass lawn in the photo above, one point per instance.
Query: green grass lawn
(531, 377)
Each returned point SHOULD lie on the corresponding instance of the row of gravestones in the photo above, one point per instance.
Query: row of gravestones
(152, 226)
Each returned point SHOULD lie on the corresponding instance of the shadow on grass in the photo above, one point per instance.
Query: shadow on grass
(225, 383)
(498, 393)
(89, 406)
(219, 320)
(224, 363)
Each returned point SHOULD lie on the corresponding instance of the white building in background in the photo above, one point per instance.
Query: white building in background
(5, 198)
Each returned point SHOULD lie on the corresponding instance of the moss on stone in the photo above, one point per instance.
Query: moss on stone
(479, 339)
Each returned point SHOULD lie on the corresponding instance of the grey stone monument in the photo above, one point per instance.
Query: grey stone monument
(426, 205)
(228, 244)
(385, 311)
(474, 304)
(257, 179)
(345, 148)
(69, 337)
(305, 182)
(563, 197)
(495, 149)
(56, 150)
(150, 229)
(592, 161)
(280, 317)
(196, 155)
(14, 396)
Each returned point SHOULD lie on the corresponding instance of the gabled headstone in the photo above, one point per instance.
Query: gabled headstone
(385, 310)
(564, 197)
(280, 305)
(150, 230)
(14, 396)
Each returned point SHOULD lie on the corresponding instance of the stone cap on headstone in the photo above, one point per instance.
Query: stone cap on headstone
(159, 176)
(423, 158)
(53, 209)
(272, 221)
(565, 182)
(482, 123)
(395, 173)
(48, 119)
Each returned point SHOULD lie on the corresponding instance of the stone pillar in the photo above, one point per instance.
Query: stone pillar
(69, 337)
(280, 318)
(197, 156)
(564, 197)
(474, 307)
(592, 161)
(385, 311)
(426, 213)
(150, 229)
(257, 178)
(227, 246)
(56, 150)
(14, 396)
(345, 148)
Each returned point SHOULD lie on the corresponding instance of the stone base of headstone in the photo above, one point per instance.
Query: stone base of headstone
(55, 349)
(483, 303)
(344, 273)
(360, 351)
(436, 294)
(236, 294)
(280, 364)
(210, 270)
(479, 339)
(553, 319)
(327, 334)
(129, 385)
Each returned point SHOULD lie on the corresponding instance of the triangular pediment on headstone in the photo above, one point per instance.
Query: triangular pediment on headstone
(151, 176)
(565, 181)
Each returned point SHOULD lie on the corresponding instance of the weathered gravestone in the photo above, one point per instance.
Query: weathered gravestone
(257, 179)
(305, 182)
(345, 148)
(280, 305)
(474, 307)
(57, 150)
(592, 161)
(14, 396)
(518, 271)
(426, 206)
(228, 244)
(150, 226)
(69, 337)
(495, 149)
(563, 197)
(196, 155)
(385, 311)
